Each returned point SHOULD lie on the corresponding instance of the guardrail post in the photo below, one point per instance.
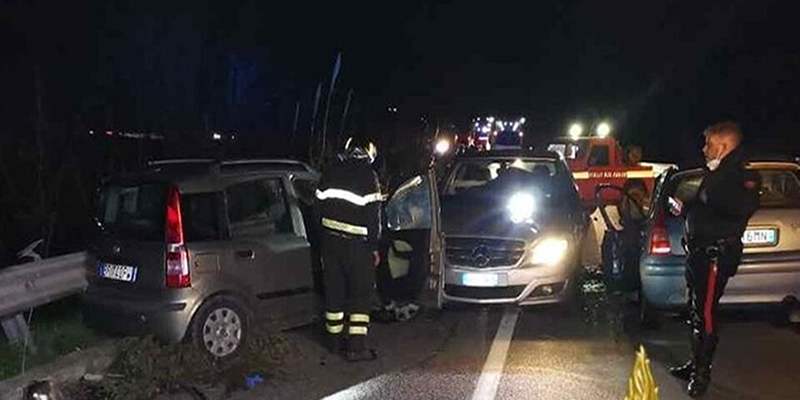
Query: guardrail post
(16, 329)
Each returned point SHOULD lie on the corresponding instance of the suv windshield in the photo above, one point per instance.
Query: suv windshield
(133, 212)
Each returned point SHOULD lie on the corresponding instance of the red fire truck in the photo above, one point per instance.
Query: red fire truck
(596, 161)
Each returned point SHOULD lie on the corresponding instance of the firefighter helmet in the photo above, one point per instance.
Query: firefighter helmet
(357, 148)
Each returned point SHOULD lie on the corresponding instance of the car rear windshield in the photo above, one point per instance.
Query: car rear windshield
(133, 212)
(779, 188)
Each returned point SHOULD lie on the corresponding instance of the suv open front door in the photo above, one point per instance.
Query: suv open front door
(415, 238)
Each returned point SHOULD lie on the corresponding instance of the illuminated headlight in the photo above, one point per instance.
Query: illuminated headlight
(549, 251)
(521, 207)
(442, 146)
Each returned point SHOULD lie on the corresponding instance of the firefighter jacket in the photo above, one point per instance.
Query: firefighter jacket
(350, 200)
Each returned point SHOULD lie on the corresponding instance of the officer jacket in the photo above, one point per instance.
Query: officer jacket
(725, 201)
(350, 200)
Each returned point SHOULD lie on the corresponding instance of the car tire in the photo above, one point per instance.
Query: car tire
(220, 328)
(649, 316)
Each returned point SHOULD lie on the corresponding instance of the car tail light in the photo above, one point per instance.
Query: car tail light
(174, 229)
(659, 238)
(178, 268)
(177, 261)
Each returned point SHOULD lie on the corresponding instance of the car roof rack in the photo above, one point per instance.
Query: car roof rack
(240, 165)
(283, 162)
(179, 161)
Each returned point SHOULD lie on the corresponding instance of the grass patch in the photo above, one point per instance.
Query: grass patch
(56, 330)
(145, 367)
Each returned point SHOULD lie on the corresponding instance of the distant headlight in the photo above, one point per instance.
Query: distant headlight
(521, 207)
(442, 146)
(549, 251)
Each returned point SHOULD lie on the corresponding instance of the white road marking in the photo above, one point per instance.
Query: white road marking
(363, 390)
(496, 360)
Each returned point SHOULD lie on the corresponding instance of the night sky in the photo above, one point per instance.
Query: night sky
(660, 71)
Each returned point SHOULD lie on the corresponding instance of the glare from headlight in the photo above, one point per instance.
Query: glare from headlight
(442, 146)
(549, 251)
(521, 207)
(603, 129)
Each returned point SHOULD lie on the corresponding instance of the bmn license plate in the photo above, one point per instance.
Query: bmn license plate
(124, 273)
(760, 237)
(481, 280)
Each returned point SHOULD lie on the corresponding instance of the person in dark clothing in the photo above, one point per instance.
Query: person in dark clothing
(715, 222)
(350, 199)
(633, 209)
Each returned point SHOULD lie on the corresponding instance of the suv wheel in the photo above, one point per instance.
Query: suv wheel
(220, 327)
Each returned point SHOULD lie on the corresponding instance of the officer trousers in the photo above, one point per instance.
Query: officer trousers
(349, 283)
(707, 274)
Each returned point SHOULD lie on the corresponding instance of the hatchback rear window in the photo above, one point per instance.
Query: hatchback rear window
(779, 188)
(133, 212)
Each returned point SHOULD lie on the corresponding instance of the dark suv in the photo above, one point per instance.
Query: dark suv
(194, 249)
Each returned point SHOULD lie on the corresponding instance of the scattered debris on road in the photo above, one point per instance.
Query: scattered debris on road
(145, 368)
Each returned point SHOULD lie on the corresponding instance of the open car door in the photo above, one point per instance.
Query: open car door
(415, 251)
(622, 242)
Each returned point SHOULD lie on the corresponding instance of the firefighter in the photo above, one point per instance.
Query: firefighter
(634, 155)
(350, 200)
(715, 222)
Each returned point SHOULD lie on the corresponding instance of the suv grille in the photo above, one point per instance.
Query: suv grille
(484, 253)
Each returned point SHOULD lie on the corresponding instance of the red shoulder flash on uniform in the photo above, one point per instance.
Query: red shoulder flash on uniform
(750, 185)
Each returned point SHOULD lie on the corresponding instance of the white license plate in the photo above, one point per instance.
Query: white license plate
(760, 237)
(116, 272)
(477, 279)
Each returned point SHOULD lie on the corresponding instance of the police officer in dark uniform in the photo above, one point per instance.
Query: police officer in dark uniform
(350, 200)
(715, 222)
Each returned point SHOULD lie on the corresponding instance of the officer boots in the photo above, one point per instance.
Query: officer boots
(685, 370)
(700, 379)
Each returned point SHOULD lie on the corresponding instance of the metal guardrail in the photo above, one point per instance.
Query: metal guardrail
(30, 285)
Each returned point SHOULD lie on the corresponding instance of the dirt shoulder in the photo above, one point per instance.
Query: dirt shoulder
(309, 372)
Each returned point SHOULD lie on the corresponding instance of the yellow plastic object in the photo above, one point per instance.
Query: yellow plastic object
(642, 385)
(399, 266)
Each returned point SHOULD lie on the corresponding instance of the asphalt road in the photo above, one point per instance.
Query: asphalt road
(582, 351)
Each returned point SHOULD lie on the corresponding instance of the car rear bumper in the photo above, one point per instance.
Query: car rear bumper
(761, 279)
(524, 286)
(167, 317)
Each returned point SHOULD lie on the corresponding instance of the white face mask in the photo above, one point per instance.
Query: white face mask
(713, 164)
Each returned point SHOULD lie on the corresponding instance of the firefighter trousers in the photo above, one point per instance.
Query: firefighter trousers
(349, 283)
(707, 272)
